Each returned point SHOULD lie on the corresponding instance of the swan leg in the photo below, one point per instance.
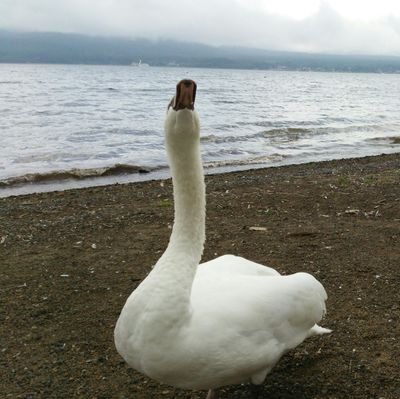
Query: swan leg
(212, 394)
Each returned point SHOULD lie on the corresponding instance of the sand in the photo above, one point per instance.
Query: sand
(69, 260)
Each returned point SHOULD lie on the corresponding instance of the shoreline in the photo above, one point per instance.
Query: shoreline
(69, 259)
(143, 175)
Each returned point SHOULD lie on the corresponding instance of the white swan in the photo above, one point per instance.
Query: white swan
(223, 322)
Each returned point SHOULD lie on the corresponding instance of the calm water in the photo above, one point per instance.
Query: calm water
(55, 118)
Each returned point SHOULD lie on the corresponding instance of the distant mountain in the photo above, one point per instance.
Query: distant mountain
(21, 47)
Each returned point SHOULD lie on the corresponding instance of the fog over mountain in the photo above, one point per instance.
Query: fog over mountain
(313, 26)
(43, 47)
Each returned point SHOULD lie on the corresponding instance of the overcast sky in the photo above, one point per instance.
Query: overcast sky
(329, 26)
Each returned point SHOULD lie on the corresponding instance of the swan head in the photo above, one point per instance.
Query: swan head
(182, 122)
(185, 95)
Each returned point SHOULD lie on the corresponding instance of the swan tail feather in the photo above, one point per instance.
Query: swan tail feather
(318, 330)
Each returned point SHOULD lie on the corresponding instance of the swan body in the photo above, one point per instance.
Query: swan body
(226, 321)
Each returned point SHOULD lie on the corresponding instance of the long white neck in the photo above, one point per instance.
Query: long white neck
(188, 233)
(173, 275)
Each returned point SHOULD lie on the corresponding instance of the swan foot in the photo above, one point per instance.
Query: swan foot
(212, 394)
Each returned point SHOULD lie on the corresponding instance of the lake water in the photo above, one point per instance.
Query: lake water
(65, 125)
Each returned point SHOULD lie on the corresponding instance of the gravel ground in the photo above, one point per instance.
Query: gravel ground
(69, 260)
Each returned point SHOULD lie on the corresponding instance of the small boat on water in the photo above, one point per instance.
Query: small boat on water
(140, 64)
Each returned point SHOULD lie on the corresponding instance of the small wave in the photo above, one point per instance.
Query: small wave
(272, 133)
(227, 101)
(75, 104)
(212, 138)
(224, 152)
(9, 82)
(75, 174)
(286, 131)
(298, 132)
(258, 160)
(390, 140)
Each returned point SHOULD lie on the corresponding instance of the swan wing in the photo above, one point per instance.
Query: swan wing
(281, 305)
(242, 324)
(231, 264)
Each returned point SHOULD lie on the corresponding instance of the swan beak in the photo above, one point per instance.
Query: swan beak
(185, 95)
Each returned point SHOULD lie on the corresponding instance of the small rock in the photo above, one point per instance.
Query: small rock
(352, 211)
(255, 228)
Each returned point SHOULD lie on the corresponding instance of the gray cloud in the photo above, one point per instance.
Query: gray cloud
(208, 21)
